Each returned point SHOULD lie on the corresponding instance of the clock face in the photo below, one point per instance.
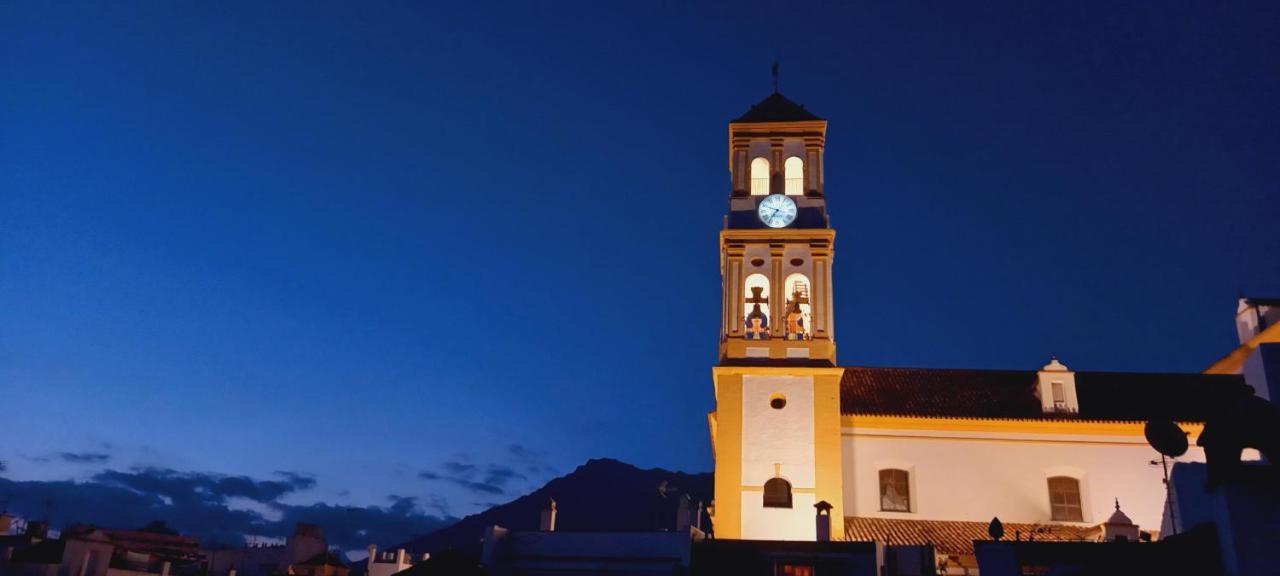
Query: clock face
(777, 211)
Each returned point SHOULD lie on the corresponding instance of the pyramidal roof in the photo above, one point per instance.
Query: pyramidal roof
(776, 108)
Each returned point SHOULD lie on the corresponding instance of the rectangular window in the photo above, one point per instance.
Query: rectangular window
(1059, 397)
(895, 491)
(1064, 499)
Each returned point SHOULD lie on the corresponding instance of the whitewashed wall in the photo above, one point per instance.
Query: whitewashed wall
(783, 438)
(967, 476)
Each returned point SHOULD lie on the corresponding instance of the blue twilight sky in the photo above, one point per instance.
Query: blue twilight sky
(449, 251)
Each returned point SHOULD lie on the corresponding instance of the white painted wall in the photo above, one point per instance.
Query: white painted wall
(975, 476)
(796, 523)
(782, 440)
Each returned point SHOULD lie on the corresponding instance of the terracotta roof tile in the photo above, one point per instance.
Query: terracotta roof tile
(952, 538)
(947, 393)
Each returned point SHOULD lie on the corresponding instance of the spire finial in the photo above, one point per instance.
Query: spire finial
(1117, 504)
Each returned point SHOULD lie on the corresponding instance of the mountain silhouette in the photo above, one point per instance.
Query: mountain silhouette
(601, 495)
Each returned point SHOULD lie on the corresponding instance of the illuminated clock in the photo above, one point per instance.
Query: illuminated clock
(777, 211)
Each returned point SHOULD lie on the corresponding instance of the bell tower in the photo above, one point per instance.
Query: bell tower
(776, 245)
(775, 432)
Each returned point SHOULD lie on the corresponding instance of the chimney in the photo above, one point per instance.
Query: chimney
(164, 568)
(822, 521)
(373, 556)
(6, 522)
(683, 520)
(400, 560)
(231, 572)
(548, 523)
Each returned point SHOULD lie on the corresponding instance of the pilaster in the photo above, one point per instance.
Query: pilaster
(777, 299)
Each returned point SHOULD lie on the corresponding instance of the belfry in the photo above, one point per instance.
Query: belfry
(775, 249)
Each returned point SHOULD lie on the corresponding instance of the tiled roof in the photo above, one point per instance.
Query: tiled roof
(776, 108)
(1115, 396)
(952, 538)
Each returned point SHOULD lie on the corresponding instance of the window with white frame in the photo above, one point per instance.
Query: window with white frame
(895, 490)
(1064, 499)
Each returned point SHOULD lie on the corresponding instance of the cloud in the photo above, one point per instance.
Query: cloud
(468, 477)
(532, 461)
(211, 488)
(84, 457)
(522, 452)
(499, 475)
(460, 468)
(493, 479)
(196, 503)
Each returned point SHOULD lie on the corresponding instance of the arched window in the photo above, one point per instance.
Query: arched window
(895, 490)
(1064, 499)
(798, 322)
(793, 170)
(755, 307)
(777, 493)
(759, 177)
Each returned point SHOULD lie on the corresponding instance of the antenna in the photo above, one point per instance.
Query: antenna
(777, 53)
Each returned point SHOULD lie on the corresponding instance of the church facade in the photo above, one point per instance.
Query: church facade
(912, 456)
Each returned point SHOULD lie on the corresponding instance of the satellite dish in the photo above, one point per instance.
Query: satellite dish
(1166, 437)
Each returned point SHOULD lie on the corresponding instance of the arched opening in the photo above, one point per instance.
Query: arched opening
(798, 321)
(793, 170)
(1064, 499)
(755, 307)
(777, 493)
(895, 490)
(760, 177)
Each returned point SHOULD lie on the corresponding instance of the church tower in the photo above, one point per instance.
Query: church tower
(776, 428)
(775, 248)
